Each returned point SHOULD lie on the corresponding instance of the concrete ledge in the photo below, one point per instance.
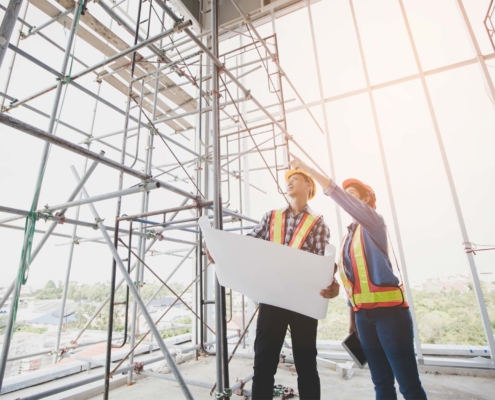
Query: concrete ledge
(474, 372)
(92, 390)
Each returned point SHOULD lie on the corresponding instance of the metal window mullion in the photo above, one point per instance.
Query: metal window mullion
(325, 116)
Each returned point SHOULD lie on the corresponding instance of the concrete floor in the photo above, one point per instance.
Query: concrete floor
(439, 386)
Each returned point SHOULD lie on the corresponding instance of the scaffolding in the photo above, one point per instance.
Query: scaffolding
(186, 102)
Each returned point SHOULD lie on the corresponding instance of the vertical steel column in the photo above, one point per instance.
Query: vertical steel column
(325, 116)
(462, 225)
(11, 66)
(44, 160)
(221, 351)
(74, 232)
(196, 325)
(247, 189)
(209, 273)
(8, 23)
(477, 51)
(141, 240)
(67, 278)
(417, 342)
(240, 58)
(119, 205)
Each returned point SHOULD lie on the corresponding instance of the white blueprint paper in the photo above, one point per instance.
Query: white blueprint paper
(271, 273)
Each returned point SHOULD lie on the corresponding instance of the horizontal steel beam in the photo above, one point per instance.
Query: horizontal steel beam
(125, 192)
(36, 29)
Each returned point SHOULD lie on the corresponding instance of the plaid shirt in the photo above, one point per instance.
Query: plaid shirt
(316, 241)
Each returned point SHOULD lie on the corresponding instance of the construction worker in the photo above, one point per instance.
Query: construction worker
(295, 225)
(379, 312)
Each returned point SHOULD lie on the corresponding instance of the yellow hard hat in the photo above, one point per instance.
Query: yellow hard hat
(291, 172)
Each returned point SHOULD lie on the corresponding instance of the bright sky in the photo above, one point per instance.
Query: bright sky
(428, 223)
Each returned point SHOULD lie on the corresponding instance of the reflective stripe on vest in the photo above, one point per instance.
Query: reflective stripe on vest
(363, 293)
(346, 282)
(277, 228)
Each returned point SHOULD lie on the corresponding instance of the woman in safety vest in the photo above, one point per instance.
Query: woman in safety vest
(379, 308)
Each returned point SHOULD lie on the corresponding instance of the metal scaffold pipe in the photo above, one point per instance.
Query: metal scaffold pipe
(222, 370)
(36, 29)
(125, 192)
(7, 27)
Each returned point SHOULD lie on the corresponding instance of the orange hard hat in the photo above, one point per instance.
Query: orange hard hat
(366, 188)
(291, 172)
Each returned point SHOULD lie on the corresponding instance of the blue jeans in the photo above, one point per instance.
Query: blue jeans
(386, 335)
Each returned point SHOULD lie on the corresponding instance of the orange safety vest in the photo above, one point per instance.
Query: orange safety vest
(363, 293)
(277, 228)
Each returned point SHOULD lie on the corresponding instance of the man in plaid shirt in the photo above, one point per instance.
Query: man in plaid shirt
(297, 226)
(315, 242)
(273, 321)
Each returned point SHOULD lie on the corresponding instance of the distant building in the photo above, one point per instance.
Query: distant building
(457, 282)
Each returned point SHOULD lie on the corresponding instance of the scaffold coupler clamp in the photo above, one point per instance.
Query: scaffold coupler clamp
(62, 218)
(247, 95)
(154, 235)
(97, 221)
(198, 202)
(227, 392)
(288, 393)
(469, 247)
(142, 185)
(215, 91)
(241, 388)
(65, 79)
(62, 352)
(48, 213)
(277, 390)
(176, 25)
(138, 367)
(12, 103)
(153, 130)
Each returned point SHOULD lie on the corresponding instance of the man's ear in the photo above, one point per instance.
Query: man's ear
(367, 199)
